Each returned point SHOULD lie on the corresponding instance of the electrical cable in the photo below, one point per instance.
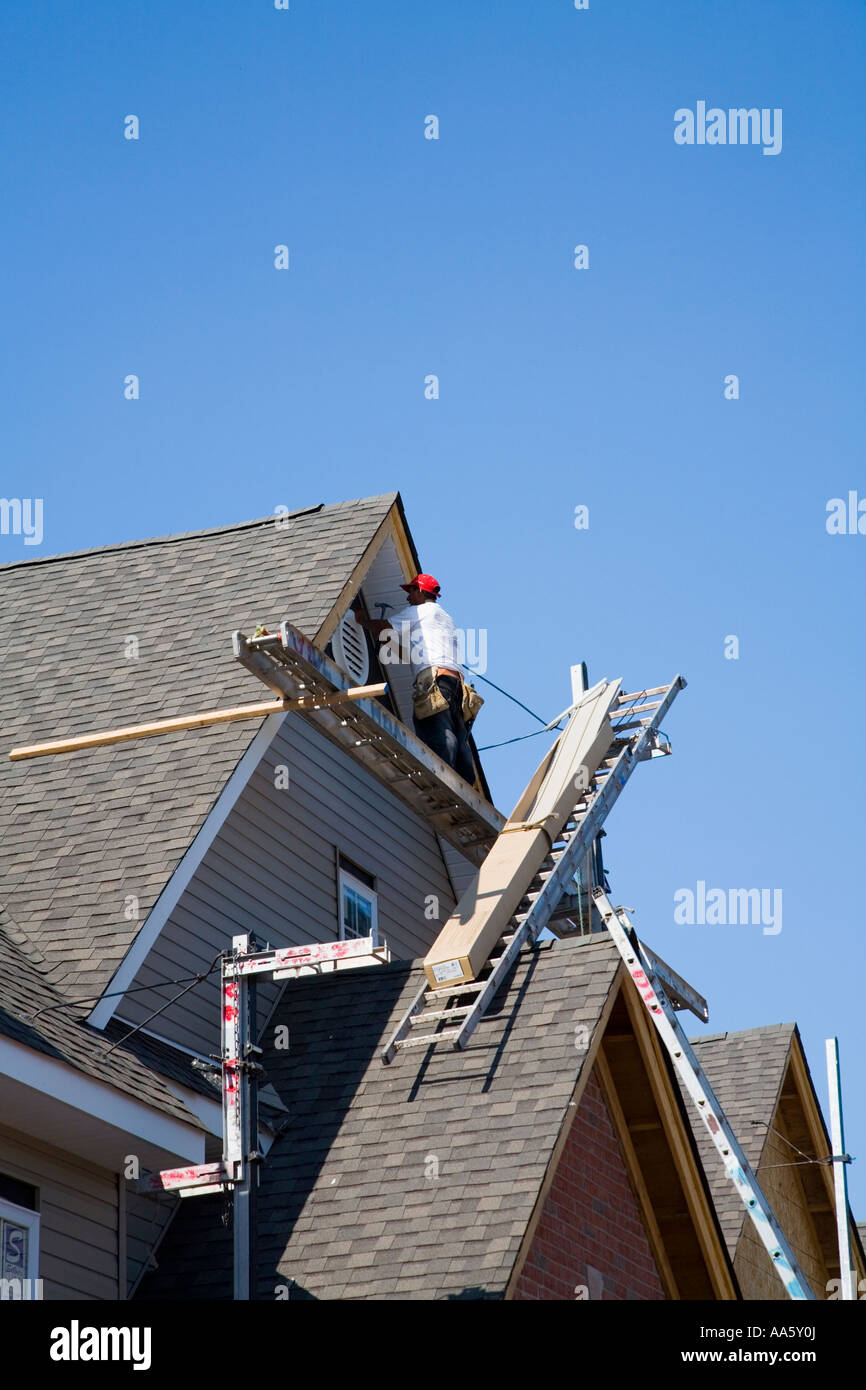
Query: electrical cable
(520, 737)
(513, 698)
(196, 981)
(115, 994)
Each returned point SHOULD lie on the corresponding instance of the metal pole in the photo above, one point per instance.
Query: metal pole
(233, 991)
(241, 1132)
(579, 681)
(840, 1176)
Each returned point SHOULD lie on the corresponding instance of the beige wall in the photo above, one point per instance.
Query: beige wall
(272, 869)
(78, 1217)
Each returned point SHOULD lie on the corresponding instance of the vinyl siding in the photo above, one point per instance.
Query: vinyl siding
(463, 873)
(272, 870)
(78, 1218)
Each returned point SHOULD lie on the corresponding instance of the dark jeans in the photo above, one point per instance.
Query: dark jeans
(445, 733)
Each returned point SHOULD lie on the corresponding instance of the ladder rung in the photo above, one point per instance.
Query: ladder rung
(434, 1015)
(419, 1041)
(433, 995)
(636, 709)
(642, 694)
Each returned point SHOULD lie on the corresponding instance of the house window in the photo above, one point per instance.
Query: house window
(358, 903)
(19, 1242)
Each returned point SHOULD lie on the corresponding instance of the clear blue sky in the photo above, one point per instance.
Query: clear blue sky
(558, 387)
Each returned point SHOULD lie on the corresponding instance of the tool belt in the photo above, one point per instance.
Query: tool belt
(472, 703)
(427, 698)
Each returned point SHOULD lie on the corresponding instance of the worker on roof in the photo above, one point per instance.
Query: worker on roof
(442, 703)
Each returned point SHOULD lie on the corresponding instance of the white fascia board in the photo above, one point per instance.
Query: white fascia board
(95, 1098)
(171, 893)
(210, 1112)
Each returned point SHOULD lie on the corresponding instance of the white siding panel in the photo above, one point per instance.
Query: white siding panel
(78, 1249)
(463, 873)
(272, 870)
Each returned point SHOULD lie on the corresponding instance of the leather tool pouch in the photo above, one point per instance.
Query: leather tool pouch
(472, 703)
(427, 698)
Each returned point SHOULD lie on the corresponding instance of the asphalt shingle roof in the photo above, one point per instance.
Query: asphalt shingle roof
(414, 1180)
(84, 833)
(26, 993)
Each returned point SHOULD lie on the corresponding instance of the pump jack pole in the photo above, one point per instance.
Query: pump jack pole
(240, 1111)
(238, 1171)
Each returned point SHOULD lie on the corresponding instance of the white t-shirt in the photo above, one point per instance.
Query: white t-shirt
(427, 633)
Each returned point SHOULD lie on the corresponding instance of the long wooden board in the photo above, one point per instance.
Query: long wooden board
(486, 908)
(192, 721)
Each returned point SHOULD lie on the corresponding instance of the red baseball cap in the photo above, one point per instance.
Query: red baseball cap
(423, 581)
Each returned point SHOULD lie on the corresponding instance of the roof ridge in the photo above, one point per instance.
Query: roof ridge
(763, 1028)
(175, 538)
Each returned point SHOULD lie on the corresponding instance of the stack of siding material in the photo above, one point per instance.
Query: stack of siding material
(486, 908)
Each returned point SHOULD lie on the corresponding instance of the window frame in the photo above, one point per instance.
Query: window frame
(345, 878)
(22, 1216)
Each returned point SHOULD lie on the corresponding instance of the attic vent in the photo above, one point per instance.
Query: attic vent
(350, 648)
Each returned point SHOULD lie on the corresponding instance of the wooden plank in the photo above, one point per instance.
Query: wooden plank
(260, 710)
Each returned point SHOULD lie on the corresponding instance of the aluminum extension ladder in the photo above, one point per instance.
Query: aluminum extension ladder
(638, 962)
(635, 725)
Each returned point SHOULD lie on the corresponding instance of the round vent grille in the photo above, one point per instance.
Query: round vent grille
(350, 648)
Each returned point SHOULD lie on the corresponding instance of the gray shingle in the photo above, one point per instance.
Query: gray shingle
(429, 1236)
(83, 831)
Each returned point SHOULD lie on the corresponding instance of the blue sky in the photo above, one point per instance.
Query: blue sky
(558, 387)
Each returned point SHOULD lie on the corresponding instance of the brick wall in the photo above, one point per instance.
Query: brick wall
(590, 1231)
